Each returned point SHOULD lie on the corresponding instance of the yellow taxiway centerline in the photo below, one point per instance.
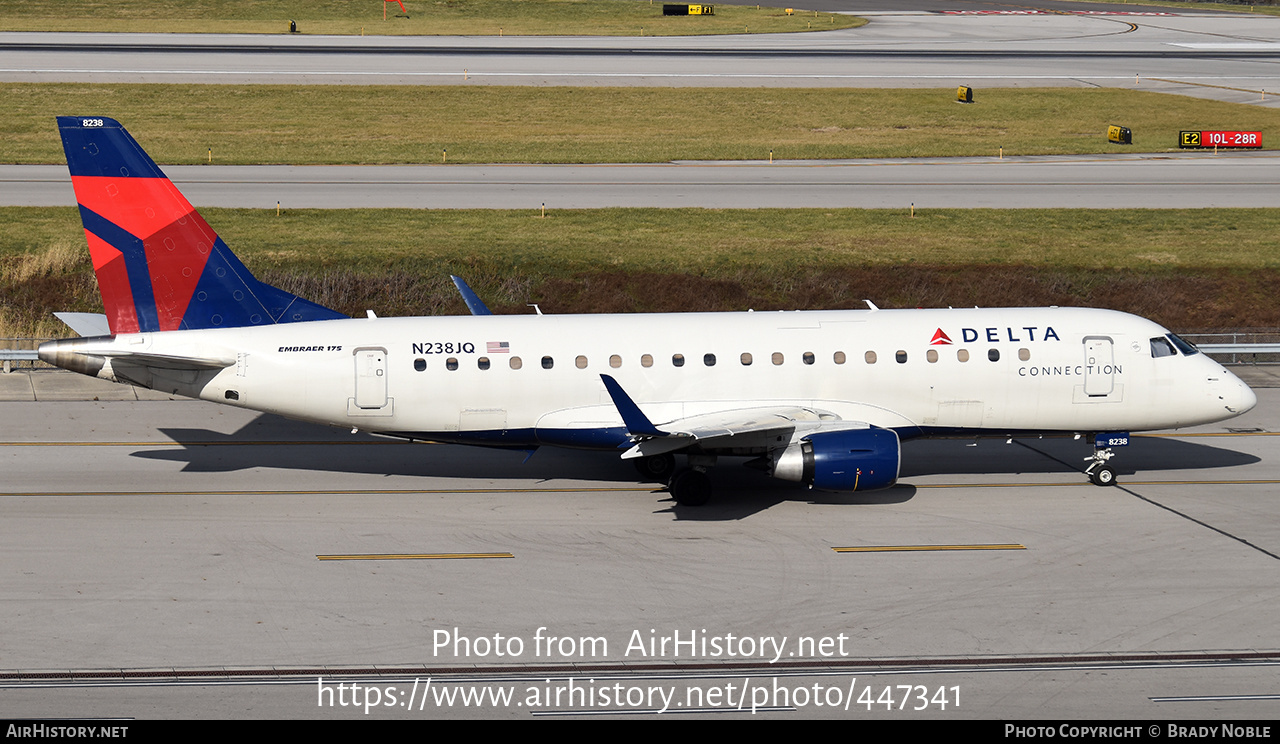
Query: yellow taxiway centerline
(926, 548)
(410, 556)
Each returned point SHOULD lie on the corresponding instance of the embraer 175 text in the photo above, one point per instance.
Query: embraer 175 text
(823, 398)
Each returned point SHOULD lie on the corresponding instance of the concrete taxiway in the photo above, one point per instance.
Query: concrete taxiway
(1158, 181)
(1222, 56)
(168, 542)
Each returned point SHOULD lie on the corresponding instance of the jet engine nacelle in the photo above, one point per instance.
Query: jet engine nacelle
(853, 460)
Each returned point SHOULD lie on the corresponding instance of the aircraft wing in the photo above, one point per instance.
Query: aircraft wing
(738, 427)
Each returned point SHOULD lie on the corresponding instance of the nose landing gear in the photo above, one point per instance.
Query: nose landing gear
(1099, 471)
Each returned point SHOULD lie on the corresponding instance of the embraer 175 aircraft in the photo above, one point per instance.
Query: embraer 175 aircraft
(822, 398)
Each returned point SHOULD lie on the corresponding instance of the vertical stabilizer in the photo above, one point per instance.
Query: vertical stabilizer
(160, 266)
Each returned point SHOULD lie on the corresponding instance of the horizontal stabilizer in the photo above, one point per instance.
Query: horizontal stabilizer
(166, 361)
(86, 324)
(85, 354)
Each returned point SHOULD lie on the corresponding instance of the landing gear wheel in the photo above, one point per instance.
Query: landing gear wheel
(691, 487)
(1099, 472)
(1103, 475)
(656, 468)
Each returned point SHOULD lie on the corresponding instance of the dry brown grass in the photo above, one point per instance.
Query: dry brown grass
(1185, 300)
(1222, 273)
(61, 257)
(36, 283)
(1182, 299)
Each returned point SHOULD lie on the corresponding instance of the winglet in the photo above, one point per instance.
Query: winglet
(474, 303)
(637, 423)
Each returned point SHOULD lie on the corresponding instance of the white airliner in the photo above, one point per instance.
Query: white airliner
(821, 398)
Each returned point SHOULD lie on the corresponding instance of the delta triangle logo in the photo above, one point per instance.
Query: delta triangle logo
(940, 339)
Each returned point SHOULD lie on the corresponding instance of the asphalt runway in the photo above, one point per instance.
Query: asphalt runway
(1161, 181)
(1222, 56)
(180, 559)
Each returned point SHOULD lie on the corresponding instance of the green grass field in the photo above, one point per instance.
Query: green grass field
(484, 124)
(711, 241)
(1190, 269)
(424, 18)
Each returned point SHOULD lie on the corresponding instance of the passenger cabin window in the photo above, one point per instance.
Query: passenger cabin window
(900, 357)
(677, 360)
(709, 360)
(808, 357)
(580, 362)
(838, 357)
(871, 357)
(931, 355)
(483, 362)
(777, 358)
(746, 359)
(516, 363)
(962, 355)
(420, 364)
(451, 363)
(615, 361)
(646, 360)
(548, 362)
(993, 355)
(1161, 347)
(1024, 354)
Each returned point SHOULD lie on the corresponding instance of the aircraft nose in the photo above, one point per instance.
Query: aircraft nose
(1248, 398)
(1236, 396)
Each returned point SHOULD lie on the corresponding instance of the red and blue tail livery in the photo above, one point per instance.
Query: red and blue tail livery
(160, 266)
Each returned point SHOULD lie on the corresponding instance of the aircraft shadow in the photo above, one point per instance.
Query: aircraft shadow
(271, 441)
(1060, 455)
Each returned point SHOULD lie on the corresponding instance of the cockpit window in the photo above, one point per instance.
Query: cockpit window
(1160, 347)
(1183, 345)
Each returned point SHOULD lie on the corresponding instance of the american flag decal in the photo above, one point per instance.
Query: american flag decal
(498, 347)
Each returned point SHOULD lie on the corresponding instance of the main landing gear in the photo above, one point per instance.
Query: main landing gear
(1099, 472)
(690, 486)
(656, 468)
